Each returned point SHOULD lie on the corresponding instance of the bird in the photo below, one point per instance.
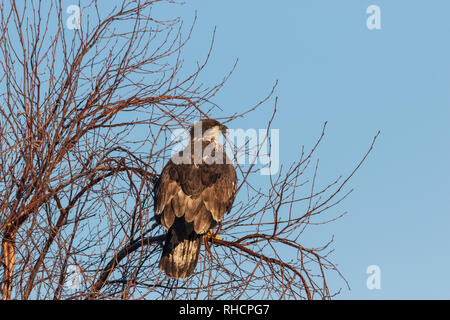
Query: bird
(194, 191)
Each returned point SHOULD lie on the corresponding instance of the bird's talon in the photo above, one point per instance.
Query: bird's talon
(211, 235)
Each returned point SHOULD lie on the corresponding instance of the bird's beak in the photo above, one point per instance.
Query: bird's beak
(224, 129)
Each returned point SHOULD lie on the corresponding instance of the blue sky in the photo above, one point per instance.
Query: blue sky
(331, 67)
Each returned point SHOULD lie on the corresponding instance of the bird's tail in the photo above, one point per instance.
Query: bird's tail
(180, 254)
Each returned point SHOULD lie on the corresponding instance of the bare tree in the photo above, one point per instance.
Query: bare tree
(85, 123)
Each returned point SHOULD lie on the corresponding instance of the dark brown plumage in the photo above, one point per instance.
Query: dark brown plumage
(191, 198)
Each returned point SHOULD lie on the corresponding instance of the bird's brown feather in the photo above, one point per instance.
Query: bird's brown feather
(190, 199)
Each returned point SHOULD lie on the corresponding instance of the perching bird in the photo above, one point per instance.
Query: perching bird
(195, 190)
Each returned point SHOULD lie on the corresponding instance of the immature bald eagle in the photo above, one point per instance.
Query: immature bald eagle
(195, 190)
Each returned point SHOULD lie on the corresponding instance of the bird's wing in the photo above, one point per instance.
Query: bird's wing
(218, 197)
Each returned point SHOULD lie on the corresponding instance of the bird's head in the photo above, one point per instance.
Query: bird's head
(208, 129)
